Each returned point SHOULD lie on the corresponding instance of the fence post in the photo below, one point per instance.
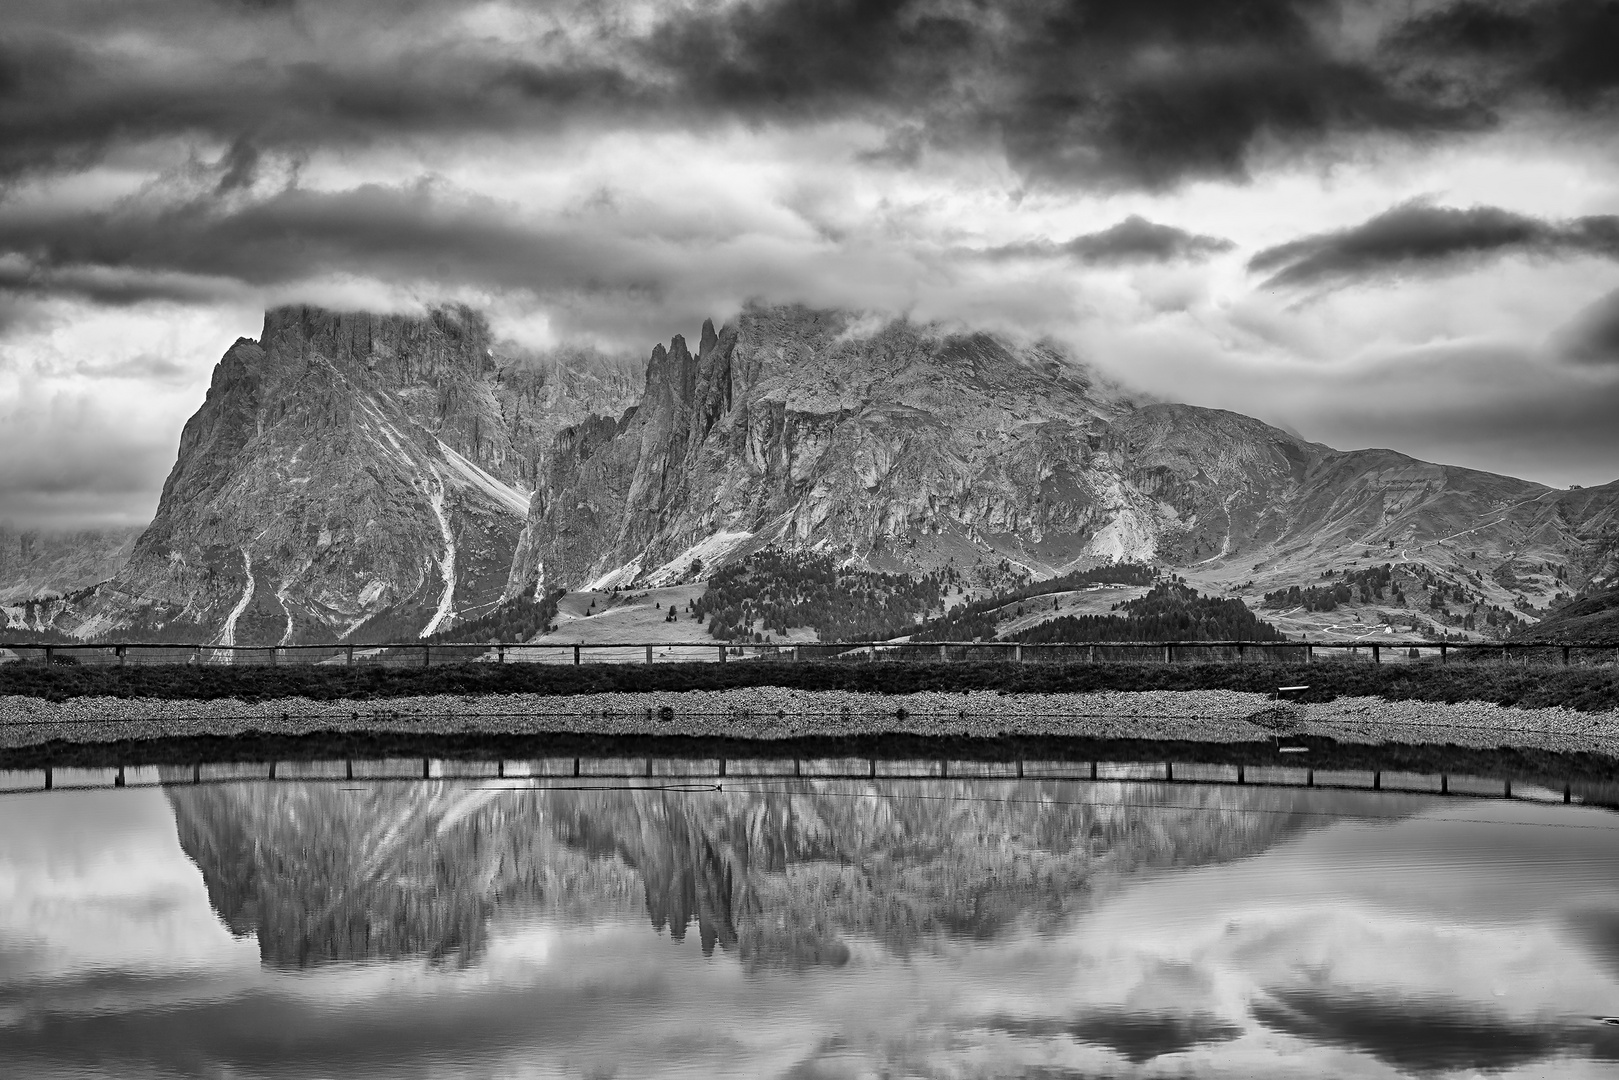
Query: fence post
(1377, 654)
(1444, 654)
(1565, 656)
(722, 654)
(942, 654)
(1017, 652)
(1309, 654)
(649, 654)
(50, 653)
(349, 658)
(576, 654)
(1169, 654)
(427, 656)
(501, 653)
(123, 656)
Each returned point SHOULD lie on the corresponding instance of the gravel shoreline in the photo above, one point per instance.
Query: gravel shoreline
(774, 713)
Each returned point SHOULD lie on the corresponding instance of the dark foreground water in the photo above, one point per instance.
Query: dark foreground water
(803, 929)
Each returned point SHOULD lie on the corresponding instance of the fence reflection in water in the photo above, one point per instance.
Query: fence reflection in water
(711, 773)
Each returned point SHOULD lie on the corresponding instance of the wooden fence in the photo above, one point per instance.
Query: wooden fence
(1156, 652)
(715, 774)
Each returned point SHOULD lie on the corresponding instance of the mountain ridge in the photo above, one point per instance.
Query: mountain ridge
(364, 477)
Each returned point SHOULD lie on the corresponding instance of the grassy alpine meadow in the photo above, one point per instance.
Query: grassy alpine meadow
(1582, 688)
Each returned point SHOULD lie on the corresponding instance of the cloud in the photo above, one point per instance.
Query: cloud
(1592, 336)
(1420, 1035)
(1139, 1036)
(240, 167)
(1135, 239)
(1599, 929)
(68, 97)
(1417, 236)
(421, 231)
(1105, 93)
(1567, 50)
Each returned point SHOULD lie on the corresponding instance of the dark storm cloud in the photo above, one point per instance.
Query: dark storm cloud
(1424, 1036)
(1132, 1034)
(1101, 92)
(107, 287)
(240, 167)
(1566, 49)
(65, 102)
(1418, 236)
(1106, 92)
(1135, 239)
(392, 233)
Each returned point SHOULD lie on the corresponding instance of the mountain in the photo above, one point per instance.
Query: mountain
(39, 563)
(364, 477)
(892, 443)
(1591, 619)
(347, 475)
(909, 447)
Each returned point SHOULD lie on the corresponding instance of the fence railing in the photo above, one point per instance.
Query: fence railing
(421, 655)
(734, 774)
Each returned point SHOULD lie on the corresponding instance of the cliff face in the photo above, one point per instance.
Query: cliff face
(905, 447)
(345, 471)
(35, 563)
(899, 445)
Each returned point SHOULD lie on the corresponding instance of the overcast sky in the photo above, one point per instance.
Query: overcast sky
(1376, 224)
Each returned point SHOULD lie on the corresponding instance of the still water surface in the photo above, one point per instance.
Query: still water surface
(803, 929)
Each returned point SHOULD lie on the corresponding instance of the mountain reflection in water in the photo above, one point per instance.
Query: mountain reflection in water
(803, 929)
(779, 873)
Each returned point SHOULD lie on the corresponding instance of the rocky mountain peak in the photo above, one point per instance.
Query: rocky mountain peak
(347, 470)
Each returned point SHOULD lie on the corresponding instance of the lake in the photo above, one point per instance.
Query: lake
(801, 928)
